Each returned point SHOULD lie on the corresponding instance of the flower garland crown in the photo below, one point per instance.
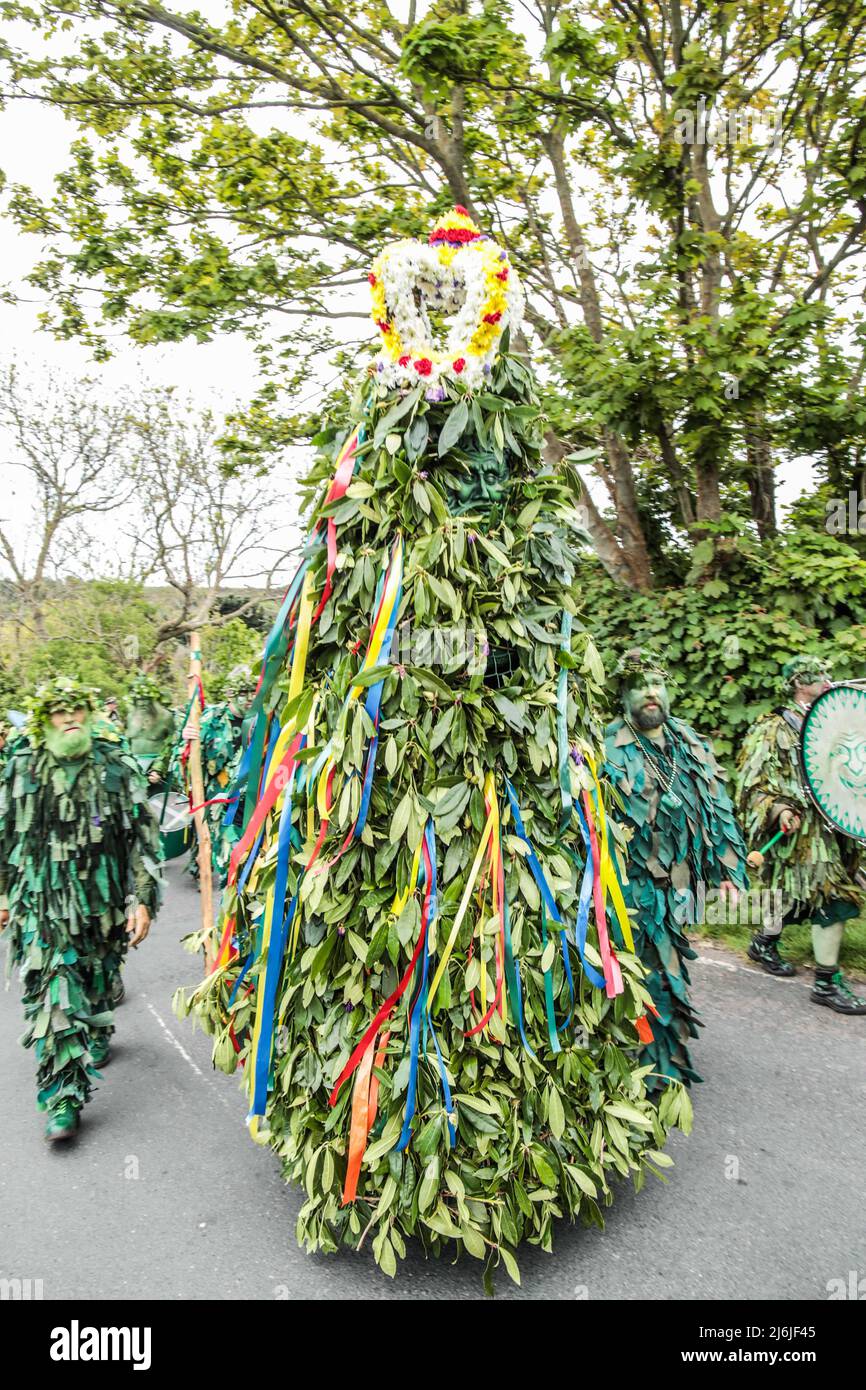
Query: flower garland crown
(459, 271)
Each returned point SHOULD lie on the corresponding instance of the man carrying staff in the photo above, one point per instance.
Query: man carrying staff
(685, 843)
(79, 868)
(813, 868)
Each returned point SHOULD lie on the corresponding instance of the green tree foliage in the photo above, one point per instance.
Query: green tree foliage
(683, 187)
(102, 631)
(231, 644)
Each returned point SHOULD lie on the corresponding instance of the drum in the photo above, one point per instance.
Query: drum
(833, 755)
(175, 824)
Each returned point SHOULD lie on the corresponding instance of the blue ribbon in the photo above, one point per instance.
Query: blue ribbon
(276, 951)
(419, 1019)
(548, 907)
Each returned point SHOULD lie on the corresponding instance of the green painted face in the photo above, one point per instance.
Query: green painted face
(69, 733)
(647, 704)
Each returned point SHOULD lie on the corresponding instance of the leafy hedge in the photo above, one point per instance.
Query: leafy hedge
(744, 610)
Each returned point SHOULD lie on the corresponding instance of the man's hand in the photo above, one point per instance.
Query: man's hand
(4, 918)
(729, 890)
(153, 778)
(138, 925)
(789, 821)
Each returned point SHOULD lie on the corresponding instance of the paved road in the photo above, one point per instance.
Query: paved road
(164, 1196)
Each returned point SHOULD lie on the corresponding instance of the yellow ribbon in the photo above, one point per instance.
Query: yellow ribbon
(490, 796)
(401, 899)
(374, 652)
(607, 871)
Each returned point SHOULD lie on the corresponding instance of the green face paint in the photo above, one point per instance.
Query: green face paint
(647, 704)
(69, 734)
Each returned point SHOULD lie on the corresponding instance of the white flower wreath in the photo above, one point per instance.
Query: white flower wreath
(461, 273)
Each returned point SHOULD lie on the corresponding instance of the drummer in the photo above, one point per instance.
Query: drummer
(814, 870)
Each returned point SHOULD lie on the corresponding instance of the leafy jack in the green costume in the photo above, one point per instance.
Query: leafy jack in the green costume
(79, 850)
(415, 959)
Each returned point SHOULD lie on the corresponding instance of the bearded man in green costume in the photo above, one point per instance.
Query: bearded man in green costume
(814, 869)
(149, 723)
(79, 852)
(685, 843)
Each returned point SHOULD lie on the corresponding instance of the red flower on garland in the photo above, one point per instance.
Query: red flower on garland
(459, 363)
(371, 277)
(502, 274)
(457, 236)
(423, 366)
(383, 325)
(458, 207)
(404, 360)
(493, 318)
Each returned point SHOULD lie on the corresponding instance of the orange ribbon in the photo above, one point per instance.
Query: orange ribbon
(365, 1100)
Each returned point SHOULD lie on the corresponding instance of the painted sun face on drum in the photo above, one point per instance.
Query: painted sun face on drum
(833, 748)
(848, 761)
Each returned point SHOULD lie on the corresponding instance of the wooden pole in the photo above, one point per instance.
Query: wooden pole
(196, 777)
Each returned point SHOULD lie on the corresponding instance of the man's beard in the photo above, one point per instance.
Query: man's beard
(647, 719)
(68, 744)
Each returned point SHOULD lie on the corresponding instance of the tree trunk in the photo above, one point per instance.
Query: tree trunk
(761, 480)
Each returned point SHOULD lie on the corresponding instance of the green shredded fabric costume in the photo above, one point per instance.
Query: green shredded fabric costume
(813, 867)
(77, 840)
(673, 849)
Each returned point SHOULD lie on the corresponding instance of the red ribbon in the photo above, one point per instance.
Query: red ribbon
(264, 807)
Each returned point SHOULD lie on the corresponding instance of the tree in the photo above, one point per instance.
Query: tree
(198, 527)
(181, 528)
(682, 187)
(67, 447)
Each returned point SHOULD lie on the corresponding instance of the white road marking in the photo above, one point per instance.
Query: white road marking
(171, 1038)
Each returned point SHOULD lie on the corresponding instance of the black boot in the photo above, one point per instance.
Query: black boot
(764, 950)
(830, 989)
